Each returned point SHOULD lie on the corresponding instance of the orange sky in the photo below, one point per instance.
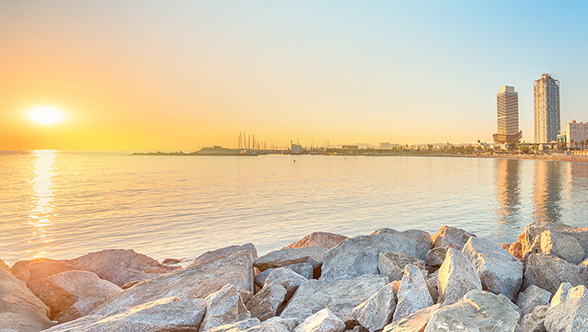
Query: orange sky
(141, 75)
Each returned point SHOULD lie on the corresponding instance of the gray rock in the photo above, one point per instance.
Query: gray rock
(321, 239)
(561, 294)
(413, 294)
(238, 326)
(34, 272)
(562, 246)
(477, 311)
(571, 314)
(360, 255)
(415, 322)
(532, 297)
(432, 284)
(226, 252)
(280, 258)
(224, 307)
(121, 266)
(341, 296)
(194, 281)
(457, 276)
(534, 230)
(73, 294)
(423, 241)
(303, 269)
(548, 272)
(265, 303)
(533, 321)
(436, 256)
(451, 237)
(20, 309)
(289, 323)
(375, 312)
(499, 271)
(167, 314)
(289, 279)
(392, 263)
(268, 326)
(322, 321)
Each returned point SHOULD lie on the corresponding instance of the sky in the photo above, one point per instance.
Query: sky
(180, 75)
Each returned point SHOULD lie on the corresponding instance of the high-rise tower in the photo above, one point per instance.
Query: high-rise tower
(547, 114)
(507, 107)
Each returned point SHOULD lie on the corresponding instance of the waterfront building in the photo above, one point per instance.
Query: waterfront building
(507, 106)
(576, 133)
(547, 113)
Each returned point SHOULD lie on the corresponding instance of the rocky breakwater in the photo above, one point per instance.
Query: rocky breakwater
(387, 281)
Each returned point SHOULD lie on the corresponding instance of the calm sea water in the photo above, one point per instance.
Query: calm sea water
(64, 204)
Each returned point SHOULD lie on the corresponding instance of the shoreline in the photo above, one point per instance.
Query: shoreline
(561, 158)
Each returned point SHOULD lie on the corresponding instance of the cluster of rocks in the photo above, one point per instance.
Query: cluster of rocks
(388, 281)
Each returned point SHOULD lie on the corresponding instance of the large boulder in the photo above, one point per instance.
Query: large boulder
(194, 281)
(413, 294)
(534, 229)
(285, 277)
(303, 269)
(283, 257)
(499, 271)
(423, 241)
(321, 239)
(532, 297)
(456, 277)
(562, 246)
(238, 326)
(73, 294)
(20, 309)
(359, 255)
(571, 314)
(533, 321)
(34, 272)
(375, 312)
(392, 263)
(477, 311)
(121, 266)
(436, 256)
(341, 296)
(265, 303)
(167, 314)
(548, 272)
(415, 322)
(322, 321)
(226, 252)
(224, 307)
(451, 237)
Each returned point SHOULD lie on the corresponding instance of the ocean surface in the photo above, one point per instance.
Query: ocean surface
(62, 205)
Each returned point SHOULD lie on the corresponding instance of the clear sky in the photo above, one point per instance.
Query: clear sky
(170, 75)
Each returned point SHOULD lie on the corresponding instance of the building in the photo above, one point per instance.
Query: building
(507, 106)
(576, 133)
(547, 113)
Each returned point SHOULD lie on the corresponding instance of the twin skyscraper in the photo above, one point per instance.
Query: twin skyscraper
(547, 112)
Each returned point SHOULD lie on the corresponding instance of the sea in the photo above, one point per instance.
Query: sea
(64, 204)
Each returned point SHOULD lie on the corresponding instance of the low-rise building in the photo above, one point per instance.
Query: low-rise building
(576, 133)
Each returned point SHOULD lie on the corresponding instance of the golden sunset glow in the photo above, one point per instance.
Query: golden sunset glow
(46, 115)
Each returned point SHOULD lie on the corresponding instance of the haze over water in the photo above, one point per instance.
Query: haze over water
(65, 204)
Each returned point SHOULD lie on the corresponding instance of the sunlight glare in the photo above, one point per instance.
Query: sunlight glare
(46, 115)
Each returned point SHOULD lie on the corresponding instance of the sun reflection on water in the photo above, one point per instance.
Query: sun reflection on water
(42, 204)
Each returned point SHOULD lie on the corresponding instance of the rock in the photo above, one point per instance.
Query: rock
(73, 294)
(34, 272)
(360, 328)
(392, 263)
(548, 272)
(20, 309)
(265, 303)
(341, 296)
(3, 265)
(571, 314)
(350, 323)
(423, 241)
(432, 282)
(226, 252)
(516, 249)
(499, 271)
(320, 239)
(561, 294)
(415, 322)
(269, 326)
(289, 279)
(171, 261)
(477, 311)
(436, 256)
(413, 294)
(322, 321)
(533, 321)
(532, 297)
(289, 323)
(194, 281)
(224, 307)
(375, 312)
(457, 276)
(451, 237)
(121, 266)
(303, 269)
(562, 246)
(167, 314)
(534, 230)
(359, 255)
(312, 255)
(238, 326)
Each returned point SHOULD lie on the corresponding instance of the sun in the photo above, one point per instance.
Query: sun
(46, 115)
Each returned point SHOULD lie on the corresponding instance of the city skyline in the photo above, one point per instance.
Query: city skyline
(143, 75)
